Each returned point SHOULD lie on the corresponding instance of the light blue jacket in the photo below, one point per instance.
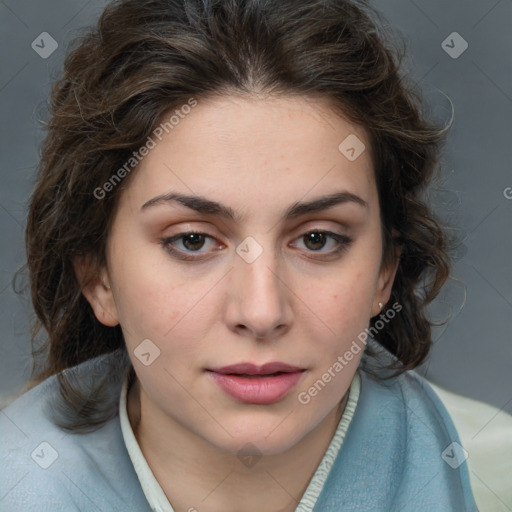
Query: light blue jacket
(401, 453)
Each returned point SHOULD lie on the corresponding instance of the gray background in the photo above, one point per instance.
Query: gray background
(473, 352)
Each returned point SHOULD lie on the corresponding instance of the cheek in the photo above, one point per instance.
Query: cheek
(164, 303)
(347, 295)
(343, 306)
(150, 298)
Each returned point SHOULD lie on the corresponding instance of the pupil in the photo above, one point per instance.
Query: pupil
(192, 238)
(313, 237)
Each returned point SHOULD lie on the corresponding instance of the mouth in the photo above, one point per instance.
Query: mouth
(253, 384)
(256, 376)
(251, 370)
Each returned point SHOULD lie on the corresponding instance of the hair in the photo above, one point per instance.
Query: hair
(145, 57)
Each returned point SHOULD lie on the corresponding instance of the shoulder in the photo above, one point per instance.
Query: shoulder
(47, 468)
(403, 441)
(486, 434)
(414, 396)
(30, 451)
(428, 428)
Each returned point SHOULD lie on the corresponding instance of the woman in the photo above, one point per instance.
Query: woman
(229, 252)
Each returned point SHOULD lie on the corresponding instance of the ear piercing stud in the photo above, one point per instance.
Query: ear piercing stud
(381, 305)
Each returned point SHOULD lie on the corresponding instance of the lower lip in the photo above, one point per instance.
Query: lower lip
(257, 390)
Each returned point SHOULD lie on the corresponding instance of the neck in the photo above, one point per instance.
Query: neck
(194, 474)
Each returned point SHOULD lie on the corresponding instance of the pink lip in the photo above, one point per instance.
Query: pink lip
(252, 369)
(262, 387)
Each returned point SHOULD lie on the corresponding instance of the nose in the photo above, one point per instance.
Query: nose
(258, 300)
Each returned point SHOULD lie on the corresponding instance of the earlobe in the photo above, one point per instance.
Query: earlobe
(97, 291)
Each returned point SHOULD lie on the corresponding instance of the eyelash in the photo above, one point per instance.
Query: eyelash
(343, 241)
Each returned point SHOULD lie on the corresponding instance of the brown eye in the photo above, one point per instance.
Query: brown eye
(191, 242)
(315, 241)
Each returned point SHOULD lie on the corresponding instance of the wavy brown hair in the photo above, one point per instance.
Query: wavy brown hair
(145, 57)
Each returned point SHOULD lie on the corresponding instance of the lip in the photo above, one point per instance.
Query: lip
(253, 384)
(253, 369)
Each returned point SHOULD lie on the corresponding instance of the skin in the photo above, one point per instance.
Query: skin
(298, 302)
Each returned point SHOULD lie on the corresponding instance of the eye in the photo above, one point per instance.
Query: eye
(316, 240)
(192, 241)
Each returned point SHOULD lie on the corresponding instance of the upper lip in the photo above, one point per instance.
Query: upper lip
(253, 369)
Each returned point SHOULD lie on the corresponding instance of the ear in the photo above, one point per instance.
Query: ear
(96, 289)
(385, 283)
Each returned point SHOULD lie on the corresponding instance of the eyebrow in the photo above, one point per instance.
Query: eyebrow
(298, 209)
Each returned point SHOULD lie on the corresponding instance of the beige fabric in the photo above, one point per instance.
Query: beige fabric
(486, 434)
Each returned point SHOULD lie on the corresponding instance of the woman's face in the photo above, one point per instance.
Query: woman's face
(252, 287)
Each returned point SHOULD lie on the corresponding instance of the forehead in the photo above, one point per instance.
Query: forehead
(255, 151)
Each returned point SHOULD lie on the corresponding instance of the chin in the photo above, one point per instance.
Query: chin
(254, 440)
